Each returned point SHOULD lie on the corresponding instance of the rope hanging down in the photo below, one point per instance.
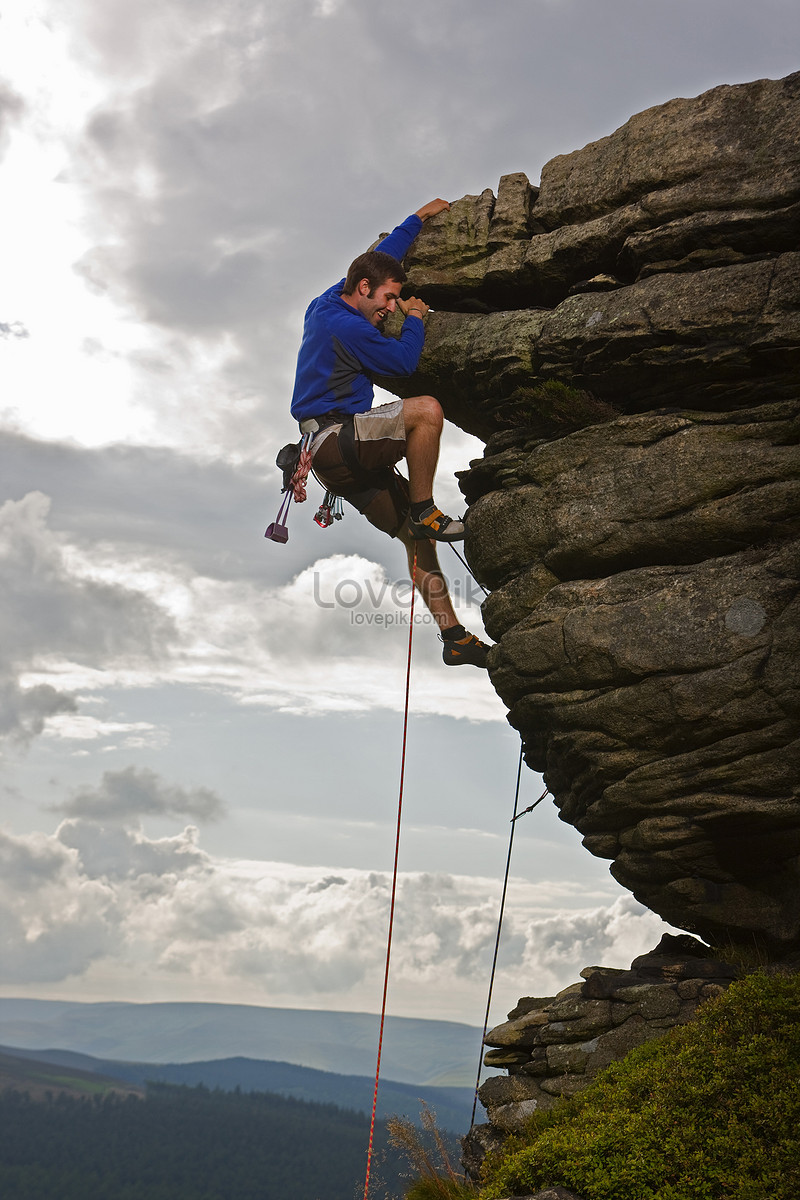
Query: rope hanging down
(514, 820)
(394, 881)
(461, 558)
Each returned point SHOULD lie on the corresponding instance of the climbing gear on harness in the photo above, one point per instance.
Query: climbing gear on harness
(464, 650)
(278, 531)
(394, 877)
(300, 477)
(288, 459)
(329, 511)
(432, 523)
(294, 461)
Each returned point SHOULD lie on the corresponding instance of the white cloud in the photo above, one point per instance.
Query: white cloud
(55, 919)
(82, 727)
(51, 612)
(334, 638)
(101, 900)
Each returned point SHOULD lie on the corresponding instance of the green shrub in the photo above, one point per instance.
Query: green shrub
(710, 1112)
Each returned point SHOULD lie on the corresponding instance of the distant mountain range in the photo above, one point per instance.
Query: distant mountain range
(328, 1057)
(38, 1071)
(431, 1053)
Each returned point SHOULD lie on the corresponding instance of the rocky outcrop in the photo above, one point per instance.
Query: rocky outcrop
(658, 265)
(646, 576)
(553, 1047)
(627, 336)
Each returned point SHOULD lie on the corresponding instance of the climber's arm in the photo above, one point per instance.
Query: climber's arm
(400, 240)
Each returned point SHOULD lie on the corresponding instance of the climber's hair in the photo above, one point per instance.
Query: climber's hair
(376, 267)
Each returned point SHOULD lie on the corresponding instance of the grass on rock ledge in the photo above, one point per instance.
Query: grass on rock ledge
(709, 1112)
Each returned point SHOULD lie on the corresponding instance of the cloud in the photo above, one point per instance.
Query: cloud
(53, 612)
(24, 712)
(12, 108)
(225, 174)
(81, 615)
(137, 792)
(614, 934)
(98, 900)
(13, 329)
(331, 639)
(110, 853)
(51, 604)
(206, 514)
(54, 919)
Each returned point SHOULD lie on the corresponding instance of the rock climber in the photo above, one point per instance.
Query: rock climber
(354, 446)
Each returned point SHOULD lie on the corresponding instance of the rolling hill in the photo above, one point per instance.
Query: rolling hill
(431, 1053)
(453, 1106)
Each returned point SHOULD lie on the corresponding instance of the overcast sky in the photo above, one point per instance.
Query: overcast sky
(200, 730)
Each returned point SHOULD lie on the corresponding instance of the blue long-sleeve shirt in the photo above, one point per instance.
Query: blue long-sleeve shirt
(341, 351)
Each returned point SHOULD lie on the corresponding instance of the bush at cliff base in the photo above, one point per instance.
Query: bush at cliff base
(711, 1111)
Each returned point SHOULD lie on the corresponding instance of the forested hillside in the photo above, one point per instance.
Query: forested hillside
(185, 1144)
(453, 1106)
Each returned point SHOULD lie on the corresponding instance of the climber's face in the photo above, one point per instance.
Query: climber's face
(376, 305)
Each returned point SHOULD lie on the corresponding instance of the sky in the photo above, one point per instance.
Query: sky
(200, 730)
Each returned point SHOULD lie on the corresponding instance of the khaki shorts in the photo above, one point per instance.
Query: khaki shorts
(356, 461)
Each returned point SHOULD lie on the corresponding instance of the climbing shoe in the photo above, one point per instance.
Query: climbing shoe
(432, 523)
(464, 650)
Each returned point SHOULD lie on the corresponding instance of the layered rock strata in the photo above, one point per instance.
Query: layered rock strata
(554, 1046)
(646, 576)
(628, 338)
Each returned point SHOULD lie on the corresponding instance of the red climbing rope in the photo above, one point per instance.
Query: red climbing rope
(394, 880)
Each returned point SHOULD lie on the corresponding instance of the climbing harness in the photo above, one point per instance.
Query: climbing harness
(394, 879)
(516, 816)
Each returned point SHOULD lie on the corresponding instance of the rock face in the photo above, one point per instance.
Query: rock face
(554, 1046)
(656, 266)
(628, 338)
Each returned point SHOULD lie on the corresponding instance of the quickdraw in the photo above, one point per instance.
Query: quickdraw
(331, 509)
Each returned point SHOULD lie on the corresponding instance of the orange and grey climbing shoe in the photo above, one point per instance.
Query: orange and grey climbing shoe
(467, 650)
(432, 523)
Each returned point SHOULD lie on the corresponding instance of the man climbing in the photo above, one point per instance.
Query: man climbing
(354, 446)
